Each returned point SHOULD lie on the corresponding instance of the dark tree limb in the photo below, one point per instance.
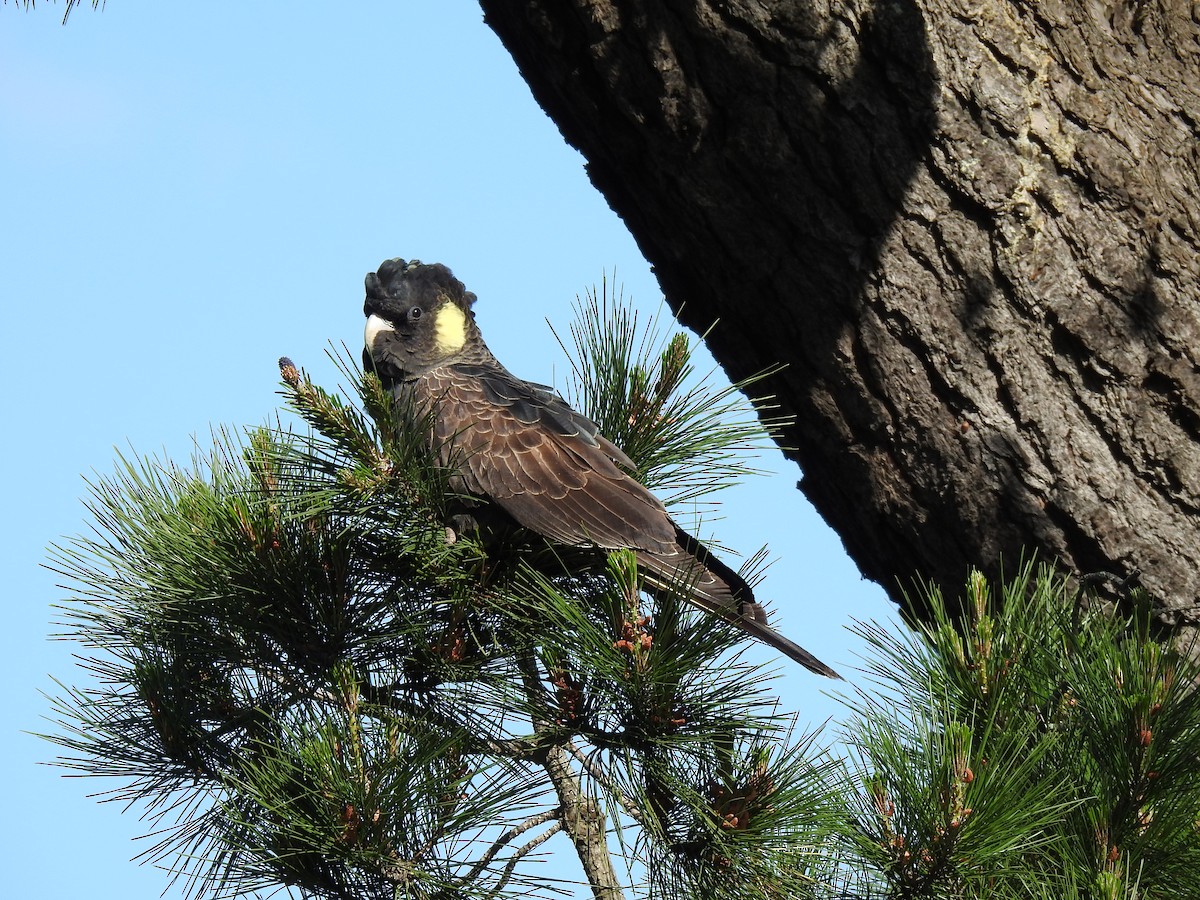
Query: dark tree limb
(970, 229)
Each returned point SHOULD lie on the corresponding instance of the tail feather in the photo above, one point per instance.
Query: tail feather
(715, 588)
(784, 645)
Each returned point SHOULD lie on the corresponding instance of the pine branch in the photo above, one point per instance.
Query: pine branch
(580, 816)
(308, 680)
(598, 775)
(67, 10)
(688, 439)
(1038, 745)
(523, 851)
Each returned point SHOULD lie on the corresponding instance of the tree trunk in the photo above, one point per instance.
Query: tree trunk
(969, 229)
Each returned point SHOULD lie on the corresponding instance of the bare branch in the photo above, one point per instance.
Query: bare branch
(581, 816)
(525, 849)
(505, 838)
(583, 820)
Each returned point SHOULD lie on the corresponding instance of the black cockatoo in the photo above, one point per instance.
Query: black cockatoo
(520, 446)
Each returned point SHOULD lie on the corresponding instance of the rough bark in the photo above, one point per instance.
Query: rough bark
(580, 813)
(970, 229)
(583, 821)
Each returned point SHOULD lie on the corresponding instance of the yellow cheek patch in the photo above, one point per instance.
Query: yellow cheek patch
(450, 328)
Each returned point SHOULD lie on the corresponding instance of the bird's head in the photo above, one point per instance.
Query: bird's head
(418, 317)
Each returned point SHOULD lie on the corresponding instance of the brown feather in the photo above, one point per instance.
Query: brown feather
(556, 484)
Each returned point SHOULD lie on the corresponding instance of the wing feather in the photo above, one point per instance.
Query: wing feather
(546, 465)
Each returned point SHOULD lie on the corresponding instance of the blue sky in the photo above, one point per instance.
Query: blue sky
(192, 190)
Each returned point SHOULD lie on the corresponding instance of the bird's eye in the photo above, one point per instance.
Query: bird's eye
(414, 313)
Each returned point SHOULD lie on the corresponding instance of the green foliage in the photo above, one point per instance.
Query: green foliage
(1030, 748)
(304, 677)
(687, 439)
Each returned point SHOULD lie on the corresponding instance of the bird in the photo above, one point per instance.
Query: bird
(520, 446)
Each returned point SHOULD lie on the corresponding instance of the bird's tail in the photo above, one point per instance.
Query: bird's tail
(784, 645)
(714, 587)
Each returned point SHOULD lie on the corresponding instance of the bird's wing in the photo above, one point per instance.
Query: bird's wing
(522, 446)
(557, 411)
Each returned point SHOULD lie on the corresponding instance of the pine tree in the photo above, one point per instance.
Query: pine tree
(305, 677)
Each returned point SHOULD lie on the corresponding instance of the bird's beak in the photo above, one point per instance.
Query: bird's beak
(375, 326)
